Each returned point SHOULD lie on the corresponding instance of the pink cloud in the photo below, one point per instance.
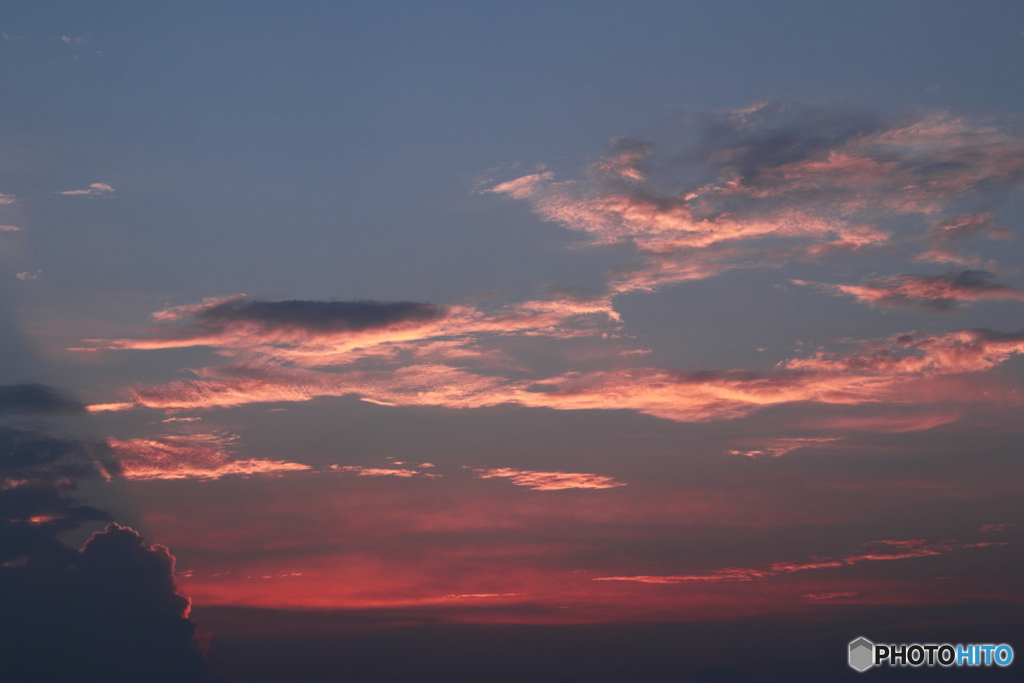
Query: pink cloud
(326, 333)
(936, 292)
(779, 447)
(968, 227)
(878, 371)
(195, 456)
(830, 596)
(879, 550)
(948, 256)
(832, 187)
(550, 481)
(379, 472)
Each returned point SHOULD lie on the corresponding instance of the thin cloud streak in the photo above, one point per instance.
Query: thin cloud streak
(879, 550)
(550, 481)
(94, 190)
(929, 292)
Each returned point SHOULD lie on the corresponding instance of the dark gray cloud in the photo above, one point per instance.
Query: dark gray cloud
(36, 399)
(318, 316)
(108, 612)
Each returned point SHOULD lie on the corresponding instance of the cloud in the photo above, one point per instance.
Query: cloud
(36, 399)
(948, 256)
(877, 371)
(109, 611)
(193, 456)
(997, 527)
(95, 190)
(830, 596)
(778, 182)
(30, 275)
(550, 481)
(9, 228)
(930, 292)
(876, 551)
(967, 227)
(7, 199)
(380, 472)
(329, 333)
(779, 447)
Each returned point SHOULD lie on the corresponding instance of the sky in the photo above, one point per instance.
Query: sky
(572, 342)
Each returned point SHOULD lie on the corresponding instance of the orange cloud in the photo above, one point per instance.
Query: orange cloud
(196, 456)
(879, 371)
(550, 481)
(380, 472)
(935, 292)
(816, 182)
(331, 333)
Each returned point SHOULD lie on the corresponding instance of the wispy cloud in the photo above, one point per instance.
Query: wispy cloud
(193, 456)
(873, 372)
(330, 333)
(94, 190)
(930, 292)
(550, 481)
(779, 182)
(381, 471)
(778, 447)
(879, 550)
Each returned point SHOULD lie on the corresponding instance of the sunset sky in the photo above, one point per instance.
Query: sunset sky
(579, 342)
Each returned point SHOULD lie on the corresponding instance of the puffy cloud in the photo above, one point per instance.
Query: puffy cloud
(930, 292)
(879, 550)
(550, 481)
(108, 612)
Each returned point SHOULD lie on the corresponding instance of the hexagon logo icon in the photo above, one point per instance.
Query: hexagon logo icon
(862, 654)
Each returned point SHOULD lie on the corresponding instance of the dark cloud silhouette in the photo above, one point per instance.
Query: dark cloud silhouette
(108, 612)
(36, 399)
(318, 316)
